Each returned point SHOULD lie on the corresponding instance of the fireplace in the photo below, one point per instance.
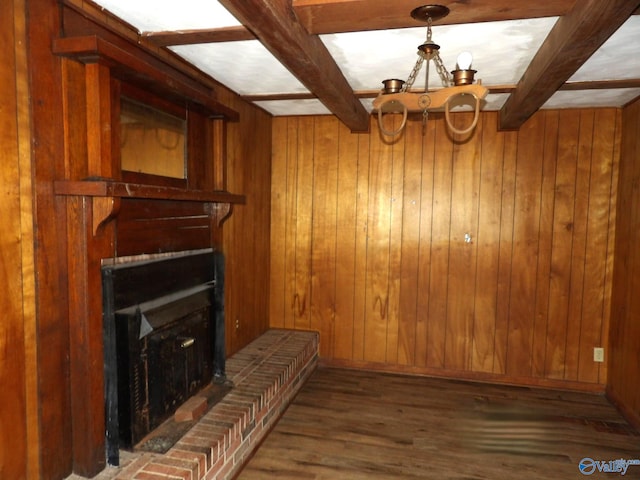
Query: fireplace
(163, 337)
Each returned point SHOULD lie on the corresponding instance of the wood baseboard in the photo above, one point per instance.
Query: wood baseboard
(470, 376)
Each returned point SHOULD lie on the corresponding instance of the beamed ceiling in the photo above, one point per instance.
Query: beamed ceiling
(301, 57)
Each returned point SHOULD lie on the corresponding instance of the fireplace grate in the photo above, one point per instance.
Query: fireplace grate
(164, 341)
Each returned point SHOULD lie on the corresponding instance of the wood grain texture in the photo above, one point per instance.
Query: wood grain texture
(17, 373)
(330, 16)
(50, 243)
(245, 235)
(346, 243)
(525, 299)
(145, 226)
(525, 247)
(624, 362)
(323, 257)
(488, 241)
(347, 424)
(27, 235)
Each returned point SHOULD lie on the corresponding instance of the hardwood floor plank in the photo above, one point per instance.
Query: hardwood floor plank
(351, 424)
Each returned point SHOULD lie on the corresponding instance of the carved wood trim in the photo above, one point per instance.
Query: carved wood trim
(104, 209)
(127, 66)
(219, 212)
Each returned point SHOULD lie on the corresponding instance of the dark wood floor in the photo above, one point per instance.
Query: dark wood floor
(355, 425)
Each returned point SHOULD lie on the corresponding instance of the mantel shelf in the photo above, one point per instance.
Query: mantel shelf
(112, 188)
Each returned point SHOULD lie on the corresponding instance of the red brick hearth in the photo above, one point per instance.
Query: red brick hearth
(266, 376)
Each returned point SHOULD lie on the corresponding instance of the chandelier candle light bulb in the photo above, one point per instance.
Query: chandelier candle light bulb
(464, 61)
(463, 75)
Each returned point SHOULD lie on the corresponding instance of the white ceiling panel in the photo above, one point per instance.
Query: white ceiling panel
(501, 51)
(617, 59)
(615, 97)
(162, 15)
(294, 107)
(246, 67)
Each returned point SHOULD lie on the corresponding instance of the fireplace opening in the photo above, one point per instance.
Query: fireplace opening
(164, 342)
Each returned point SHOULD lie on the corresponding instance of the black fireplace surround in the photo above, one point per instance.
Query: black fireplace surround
(163, 340)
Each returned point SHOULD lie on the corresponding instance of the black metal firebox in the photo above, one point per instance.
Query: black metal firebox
(164, 340)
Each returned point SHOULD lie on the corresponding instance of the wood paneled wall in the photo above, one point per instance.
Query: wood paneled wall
(246, 232)
(18, 370)
(624, 347)
(368, 245)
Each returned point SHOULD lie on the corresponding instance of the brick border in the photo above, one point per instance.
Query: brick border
(266, 375)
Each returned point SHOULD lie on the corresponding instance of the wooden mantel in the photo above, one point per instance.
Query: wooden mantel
(106, 195)
(113, 188)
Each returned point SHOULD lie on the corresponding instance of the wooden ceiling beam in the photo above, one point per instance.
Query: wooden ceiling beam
(336, 16)
(572, 40)
(493, 89)
(275, 24)
(192, 37)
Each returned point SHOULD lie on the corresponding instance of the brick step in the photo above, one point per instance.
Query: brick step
(266, 375)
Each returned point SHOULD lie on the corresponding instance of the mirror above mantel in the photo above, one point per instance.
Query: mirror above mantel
(168, 133)
(152, 141)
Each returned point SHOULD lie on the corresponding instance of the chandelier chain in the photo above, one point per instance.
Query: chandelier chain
(441, 70)
(414, 73)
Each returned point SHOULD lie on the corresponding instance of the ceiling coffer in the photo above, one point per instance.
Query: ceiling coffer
(459, 87)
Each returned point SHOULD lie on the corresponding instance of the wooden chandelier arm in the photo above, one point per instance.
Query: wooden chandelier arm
(393, 133)
(473, 124)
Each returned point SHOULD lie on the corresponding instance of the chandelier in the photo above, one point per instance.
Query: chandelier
(398, 97)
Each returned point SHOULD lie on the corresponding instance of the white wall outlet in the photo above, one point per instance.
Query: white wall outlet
(598, 354)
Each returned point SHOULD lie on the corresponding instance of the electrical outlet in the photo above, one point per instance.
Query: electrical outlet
(598, 354)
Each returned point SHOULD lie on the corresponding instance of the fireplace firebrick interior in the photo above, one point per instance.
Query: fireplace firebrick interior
(164, 340)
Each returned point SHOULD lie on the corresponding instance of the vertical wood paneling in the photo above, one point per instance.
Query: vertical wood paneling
(291, 215)
(409, 278)
(545, 235)
(562, 243)
(578, 253)
(301, 298)
(424, 245)
(525, 246)
(505, 254)
(612, 237)
(347, 233)
(462, 253)
(50, 243)
(378, 245)
(324, 221)
(278, 310)
(594, 302)
(245, 234)
(624, 362)
(439, 244)
(488, 242)
(362, 235)
(386, 234)
(396, 208)
(16, 271)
